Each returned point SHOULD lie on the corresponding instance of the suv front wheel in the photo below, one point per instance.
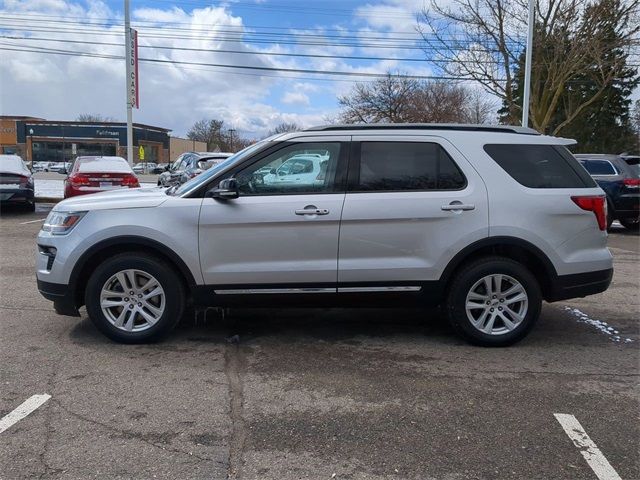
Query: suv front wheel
(134, 298)
(493, 302)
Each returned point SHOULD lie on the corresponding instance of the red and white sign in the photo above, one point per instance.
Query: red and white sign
(132, 62)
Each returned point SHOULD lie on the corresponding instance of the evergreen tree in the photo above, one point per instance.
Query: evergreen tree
(604, 126)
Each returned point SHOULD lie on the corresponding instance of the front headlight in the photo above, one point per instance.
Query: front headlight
(61, 223)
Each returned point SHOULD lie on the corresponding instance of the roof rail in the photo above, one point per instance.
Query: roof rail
(426, 126)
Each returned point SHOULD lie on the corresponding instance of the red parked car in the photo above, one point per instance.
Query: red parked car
(99, 174)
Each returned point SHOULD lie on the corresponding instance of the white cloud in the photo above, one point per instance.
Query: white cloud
(295, 98)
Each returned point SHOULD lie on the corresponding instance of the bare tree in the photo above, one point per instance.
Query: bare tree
(479, 40)
(397, 99)
(284, 127)
(383, 100)
(209, 132)
(93, 117)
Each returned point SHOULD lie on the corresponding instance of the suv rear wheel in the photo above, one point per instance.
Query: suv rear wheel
(134, 298)
(632, 224)
(494, 302)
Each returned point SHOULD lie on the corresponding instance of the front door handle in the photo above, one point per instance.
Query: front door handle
(312, 210)
(457, 206)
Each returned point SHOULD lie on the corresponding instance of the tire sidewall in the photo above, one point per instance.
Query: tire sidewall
(170, 282)
(467, 278)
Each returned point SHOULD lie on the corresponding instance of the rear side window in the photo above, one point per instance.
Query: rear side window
(540, 166)
(400, 166)
(598, 167)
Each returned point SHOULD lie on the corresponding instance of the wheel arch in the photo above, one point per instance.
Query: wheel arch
(121, 244)
(510, 247)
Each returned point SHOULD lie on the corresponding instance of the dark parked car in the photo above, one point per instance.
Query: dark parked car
(16, 182)
(621, 183)
(189, 165)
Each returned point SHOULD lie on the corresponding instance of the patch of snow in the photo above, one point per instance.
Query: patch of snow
(601, 326)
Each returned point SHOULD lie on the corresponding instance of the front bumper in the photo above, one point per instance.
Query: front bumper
(62, 297)
(579, 285)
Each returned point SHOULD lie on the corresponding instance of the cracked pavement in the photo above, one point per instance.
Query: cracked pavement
(293, 394)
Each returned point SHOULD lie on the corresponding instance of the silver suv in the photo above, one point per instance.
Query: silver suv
(486, 221)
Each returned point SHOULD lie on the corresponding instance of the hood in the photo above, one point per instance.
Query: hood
(125, 198)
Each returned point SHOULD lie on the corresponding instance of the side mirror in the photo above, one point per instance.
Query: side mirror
(166, 169)
(227, 189)
(272, 171)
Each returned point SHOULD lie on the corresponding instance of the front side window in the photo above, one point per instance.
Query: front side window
(402, 166)
(540, 166)
(295, 169)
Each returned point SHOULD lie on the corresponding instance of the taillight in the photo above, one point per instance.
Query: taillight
(24, 181)
(79, 179)
(596, 204)
(631, 182)
(130, 181)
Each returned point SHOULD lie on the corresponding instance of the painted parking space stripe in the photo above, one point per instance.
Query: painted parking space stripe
(589, 450)
(24, 409)
(33, 221)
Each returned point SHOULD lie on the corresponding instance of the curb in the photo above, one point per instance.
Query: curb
(48, 199)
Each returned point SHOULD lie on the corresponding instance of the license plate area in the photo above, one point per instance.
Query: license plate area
(106, 184)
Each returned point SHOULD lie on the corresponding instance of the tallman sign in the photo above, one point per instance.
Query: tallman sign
(132, 60)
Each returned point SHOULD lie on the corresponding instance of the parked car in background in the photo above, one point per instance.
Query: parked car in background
(633, 161)
(187, 166)
(99, 174)
(204, 162)
(58, 167)
(621, 182)
(160, 167)
(486, 221)
(144, 167)
(40, 167)
(299, 169)
(16, 182)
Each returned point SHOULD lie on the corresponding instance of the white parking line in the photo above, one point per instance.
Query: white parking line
(24, 409)
(589, 450)
(33, 221)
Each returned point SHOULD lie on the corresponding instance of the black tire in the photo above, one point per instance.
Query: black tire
(466, 278)
(30, 206)
(632, 224)
(165, 275)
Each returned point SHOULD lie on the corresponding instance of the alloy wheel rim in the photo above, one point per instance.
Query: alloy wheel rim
(132, 300)
(496, 304)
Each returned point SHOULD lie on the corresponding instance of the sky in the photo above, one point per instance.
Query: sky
(258, 33)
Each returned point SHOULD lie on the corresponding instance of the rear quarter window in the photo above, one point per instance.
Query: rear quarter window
(540, 166)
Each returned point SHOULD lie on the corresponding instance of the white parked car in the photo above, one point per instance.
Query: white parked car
(487, 221)
(300, 169)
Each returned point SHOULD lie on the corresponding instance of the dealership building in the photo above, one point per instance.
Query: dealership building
(40, 140)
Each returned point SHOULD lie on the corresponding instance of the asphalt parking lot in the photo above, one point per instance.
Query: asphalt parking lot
(288, 394)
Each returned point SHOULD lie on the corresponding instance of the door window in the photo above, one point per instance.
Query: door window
(400, 166)
(296, 169)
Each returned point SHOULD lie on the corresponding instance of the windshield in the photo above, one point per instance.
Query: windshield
(203, 178)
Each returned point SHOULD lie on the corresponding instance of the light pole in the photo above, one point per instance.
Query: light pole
(30, 149)
(231, 132)
(127, 41)
(527, 66)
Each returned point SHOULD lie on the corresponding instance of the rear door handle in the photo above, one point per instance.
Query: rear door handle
(312, 211)
(458, 206)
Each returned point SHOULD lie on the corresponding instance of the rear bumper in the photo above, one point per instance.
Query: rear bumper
(579, 285)
(61, 296)
(627, 206)
(10, 195)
